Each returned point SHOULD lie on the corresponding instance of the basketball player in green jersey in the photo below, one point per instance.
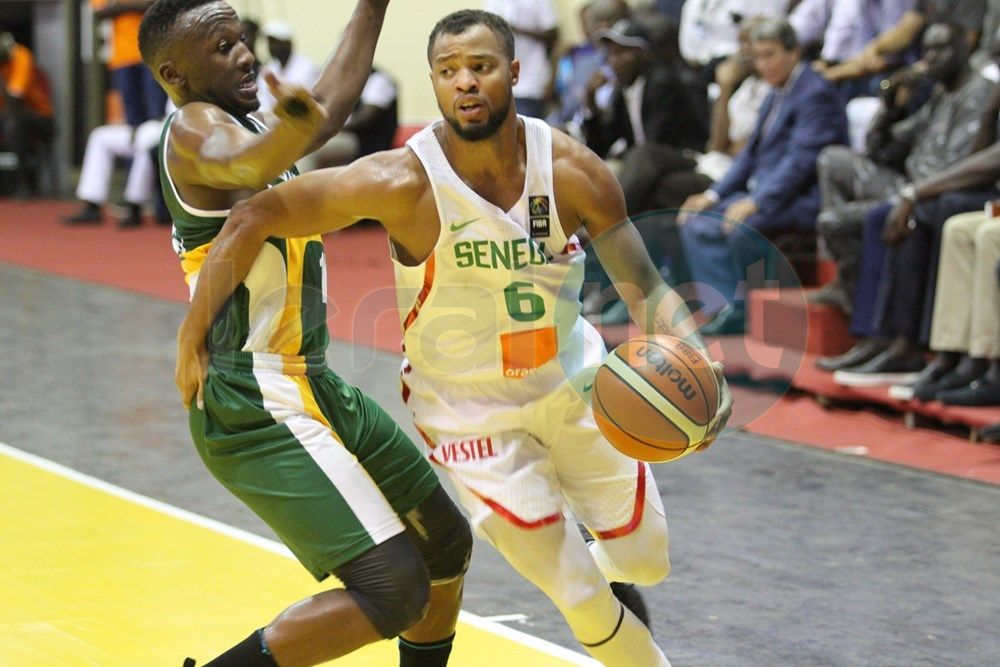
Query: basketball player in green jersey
(316, 459)
(482, 210)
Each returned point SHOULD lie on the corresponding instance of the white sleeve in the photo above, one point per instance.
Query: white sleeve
(379, 91)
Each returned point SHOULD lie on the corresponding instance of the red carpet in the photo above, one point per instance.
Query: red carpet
(363, 309)
(362, 303)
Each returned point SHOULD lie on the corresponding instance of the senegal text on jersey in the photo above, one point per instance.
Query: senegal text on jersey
(511, 254)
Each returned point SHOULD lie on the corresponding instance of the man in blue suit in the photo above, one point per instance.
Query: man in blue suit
(771, 186)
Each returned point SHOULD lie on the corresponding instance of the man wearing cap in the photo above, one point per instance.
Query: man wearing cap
(290, 66)
(651, 121)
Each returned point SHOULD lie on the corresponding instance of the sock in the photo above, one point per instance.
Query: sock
(431, 654)
(251, 652)
(630, 645)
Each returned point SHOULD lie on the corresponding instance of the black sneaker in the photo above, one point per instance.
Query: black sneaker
(631, 599)
(90, 214)
(188, 662)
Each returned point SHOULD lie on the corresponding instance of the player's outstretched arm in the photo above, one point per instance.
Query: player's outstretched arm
(589, 192)
(321, 201)
(208, 149)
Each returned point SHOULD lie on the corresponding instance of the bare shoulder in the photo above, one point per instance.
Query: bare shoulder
(583, 183)
(198, 118)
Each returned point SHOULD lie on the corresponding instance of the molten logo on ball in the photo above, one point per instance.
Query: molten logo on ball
(654, 398)
(666, 369)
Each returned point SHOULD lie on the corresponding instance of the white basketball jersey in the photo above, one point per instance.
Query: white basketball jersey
(499, 297)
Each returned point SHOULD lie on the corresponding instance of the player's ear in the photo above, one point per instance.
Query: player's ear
(515, 71)
(170, 74)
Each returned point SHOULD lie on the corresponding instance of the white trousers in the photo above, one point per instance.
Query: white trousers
(109, 142)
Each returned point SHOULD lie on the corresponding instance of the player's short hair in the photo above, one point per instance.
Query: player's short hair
(775, 30)
(458, 22)
(156, 29)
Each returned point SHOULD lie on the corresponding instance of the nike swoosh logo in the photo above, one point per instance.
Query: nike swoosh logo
(458, 226)
(587, 387)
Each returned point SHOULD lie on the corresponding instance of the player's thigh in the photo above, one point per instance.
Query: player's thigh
(608, 491)
(389, 457)
(503, 473)
(292, 470)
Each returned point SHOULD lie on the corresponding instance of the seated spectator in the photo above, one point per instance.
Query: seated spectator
(735, 111)
(771, 186)
(965, 331)
(535, 25)
(892, 44)
(579, 64)
(651, 119)
(370, 128)
(105, 145)
(288, 65)
(709, 31)
(25, 110)
(900, 148)
(843, 29)
(901, 279)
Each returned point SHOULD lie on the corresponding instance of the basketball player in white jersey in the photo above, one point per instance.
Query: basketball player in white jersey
(481, 211)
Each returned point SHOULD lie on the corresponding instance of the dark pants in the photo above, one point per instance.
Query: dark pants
(24, 132)
(142, 97)
(721, 262)
(897, 284)
(656, 179)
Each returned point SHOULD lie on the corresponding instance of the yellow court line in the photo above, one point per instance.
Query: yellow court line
(96, 575)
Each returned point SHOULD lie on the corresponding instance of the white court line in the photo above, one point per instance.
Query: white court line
(273, 546)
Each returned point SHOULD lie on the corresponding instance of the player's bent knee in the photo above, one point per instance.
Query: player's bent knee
(442, 536)
(390, 583)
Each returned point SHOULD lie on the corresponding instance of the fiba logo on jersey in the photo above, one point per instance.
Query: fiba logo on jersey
(538, 211)
(538, 205)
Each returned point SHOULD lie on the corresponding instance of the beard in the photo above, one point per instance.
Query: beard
(483, 130)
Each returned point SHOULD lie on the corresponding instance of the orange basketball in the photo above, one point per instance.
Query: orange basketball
(654, 398)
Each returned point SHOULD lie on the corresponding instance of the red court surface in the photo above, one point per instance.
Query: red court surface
(362, 309)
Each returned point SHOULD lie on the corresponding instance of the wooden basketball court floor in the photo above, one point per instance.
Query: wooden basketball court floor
(118, 548)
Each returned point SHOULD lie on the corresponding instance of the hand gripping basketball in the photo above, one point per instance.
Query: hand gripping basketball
(657, 398)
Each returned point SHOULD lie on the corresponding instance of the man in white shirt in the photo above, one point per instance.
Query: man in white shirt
(288, 65)
(536, 29)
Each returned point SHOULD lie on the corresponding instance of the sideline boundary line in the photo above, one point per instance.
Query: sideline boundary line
(273, 546)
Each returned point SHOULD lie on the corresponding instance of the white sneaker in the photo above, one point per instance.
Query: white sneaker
(853, 379)
(901, 392)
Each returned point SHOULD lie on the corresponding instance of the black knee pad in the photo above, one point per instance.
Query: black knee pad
(390, 583)
(442, 536)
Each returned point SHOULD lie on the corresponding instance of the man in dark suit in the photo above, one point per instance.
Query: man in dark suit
(771, 186)
(655, 119)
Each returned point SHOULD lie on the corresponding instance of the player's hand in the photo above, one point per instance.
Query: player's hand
(192, 368)
(692, 205)
(725, 408)
(296, 106)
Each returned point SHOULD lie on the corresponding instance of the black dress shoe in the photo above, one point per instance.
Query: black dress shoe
(864, 351)
(729, 321)
(929, 376)
(90, 214)
(981, 392)
(884, 368)
(953, 379)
